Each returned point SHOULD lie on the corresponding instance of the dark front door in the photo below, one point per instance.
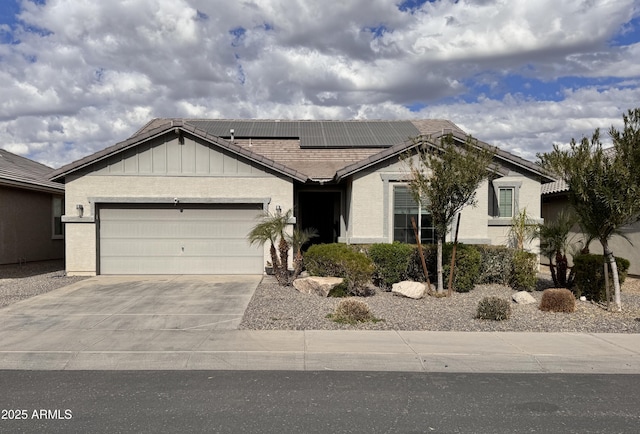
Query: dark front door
(320, 210)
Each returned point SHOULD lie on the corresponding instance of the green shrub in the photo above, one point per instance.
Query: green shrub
(496, 264)
(391, 262)
(468, 262)
(524, 274)
(494, 308)
(589, 276)
(351, 311)
(557, 300)
(341, 261)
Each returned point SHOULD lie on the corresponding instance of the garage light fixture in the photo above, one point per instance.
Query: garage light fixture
(79, 209)
(278, 209)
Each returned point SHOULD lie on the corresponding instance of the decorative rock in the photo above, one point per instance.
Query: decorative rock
(409, 289)
(305, 273)
(321, 286)
(523, 297)
(583, 298)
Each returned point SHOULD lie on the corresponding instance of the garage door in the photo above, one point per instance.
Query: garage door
(178, 240)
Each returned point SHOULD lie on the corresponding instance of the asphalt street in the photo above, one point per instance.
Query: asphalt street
(316, 402)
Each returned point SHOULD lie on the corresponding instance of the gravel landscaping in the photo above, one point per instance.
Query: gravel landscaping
(283, 308)
(18, 282)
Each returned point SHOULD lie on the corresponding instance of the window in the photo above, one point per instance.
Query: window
(404, 208)
(58, 210)
(505, 202)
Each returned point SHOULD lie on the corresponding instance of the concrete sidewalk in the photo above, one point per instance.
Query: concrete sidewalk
(320, 350)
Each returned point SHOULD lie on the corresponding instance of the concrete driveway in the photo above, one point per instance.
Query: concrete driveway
(136, 303)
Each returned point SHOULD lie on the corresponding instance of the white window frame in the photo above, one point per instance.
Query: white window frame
(506, 183)
(421, 212)
(501, 205)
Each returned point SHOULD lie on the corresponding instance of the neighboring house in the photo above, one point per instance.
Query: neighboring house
(31, 207)
(555, 198)
(181, 195)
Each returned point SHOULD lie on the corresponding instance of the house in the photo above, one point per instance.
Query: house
(31, 208)
(555, 199)
(181, 195)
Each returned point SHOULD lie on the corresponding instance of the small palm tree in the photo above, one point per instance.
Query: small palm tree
(298, 239)
(554, 244)
(271, 228)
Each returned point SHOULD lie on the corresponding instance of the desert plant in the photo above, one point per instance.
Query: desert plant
(557, 300)
(351, 311)
(589, 276)
(494, 308)
(271, 227)
(341, 261)
(391, 262)
(523, 277)
(524, 228)
(298, 238)
(555, 243)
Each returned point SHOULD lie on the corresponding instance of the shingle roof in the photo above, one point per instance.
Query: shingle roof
(560, 186)
(278, 144)
(25, 173)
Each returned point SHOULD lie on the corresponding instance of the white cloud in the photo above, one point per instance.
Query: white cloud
(95, 72)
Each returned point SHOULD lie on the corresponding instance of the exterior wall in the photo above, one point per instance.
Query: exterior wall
(552, 205)
(26, 228)
(370, 209)
(241, 181)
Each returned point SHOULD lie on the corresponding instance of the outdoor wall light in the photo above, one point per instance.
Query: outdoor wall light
(278, 209)
(79, 209)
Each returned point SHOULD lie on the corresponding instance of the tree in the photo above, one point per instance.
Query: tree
(445, 180)
(604, 186)
(298, 239)
(554, 244)
(271, 228)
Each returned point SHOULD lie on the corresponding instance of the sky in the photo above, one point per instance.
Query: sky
(77, 76)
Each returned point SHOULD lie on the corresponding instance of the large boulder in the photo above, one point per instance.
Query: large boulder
(321, 286)
(523, 297)
(409, 289)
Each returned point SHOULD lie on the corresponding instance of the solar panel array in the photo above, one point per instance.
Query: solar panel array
(316, 134)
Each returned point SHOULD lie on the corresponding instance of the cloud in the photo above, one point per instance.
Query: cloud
(78, 75)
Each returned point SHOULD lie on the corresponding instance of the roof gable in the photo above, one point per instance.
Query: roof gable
(22, 172)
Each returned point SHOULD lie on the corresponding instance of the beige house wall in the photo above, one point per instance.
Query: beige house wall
(26, 226)
(371, 207)
(88, 189)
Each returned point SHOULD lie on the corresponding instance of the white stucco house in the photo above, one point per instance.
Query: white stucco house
(180, 195)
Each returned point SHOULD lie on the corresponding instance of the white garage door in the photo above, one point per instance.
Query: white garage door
(178, 240)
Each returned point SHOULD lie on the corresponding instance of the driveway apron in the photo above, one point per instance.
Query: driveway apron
(127, 313)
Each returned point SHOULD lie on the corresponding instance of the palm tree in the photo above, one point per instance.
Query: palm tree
(298, 239)
(271, 228)
(554, 243)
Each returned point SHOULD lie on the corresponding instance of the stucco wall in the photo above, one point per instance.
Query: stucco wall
(26, 227)
(81, 237)
(371, 207)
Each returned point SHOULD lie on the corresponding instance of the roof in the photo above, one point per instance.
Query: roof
(301, 149)
(21, 172)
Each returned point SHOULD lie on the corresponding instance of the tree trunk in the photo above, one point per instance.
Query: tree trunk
(439, 262)
(562, 264)
(553, 272)
(283, 248)
(614, 272)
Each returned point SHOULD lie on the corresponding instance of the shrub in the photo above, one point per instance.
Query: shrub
(468, 262)
(391, 262)
(523, 277)
(589, 276)
(351, 311)
(341, 261)
(496, 264)
(494, 308)
(558, 300)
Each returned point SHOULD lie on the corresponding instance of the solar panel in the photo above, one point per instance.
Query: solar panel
(317, 134)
